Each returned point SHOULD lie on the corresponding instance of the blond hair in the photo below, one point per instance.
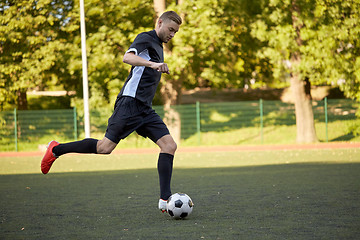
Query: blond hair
(171, 15)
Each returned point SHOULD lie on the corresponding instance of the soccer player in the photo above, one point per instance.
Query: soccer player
(133, 107)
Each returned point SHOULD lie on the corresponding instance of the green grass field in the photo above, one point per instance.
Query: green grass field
(285, 194)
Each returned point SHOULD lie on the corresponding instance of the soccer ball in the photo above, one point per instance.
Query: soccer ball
(179, 205)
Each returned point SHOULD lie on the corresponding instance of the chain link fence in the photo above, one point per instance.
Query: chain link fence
(19, 127)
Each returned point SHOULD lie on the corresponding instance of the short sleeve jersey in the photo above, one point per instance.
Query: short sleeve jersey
(143, 81)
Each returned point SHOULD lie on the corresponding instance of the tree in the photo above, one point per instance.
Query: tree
(197, 55)
(31, 39)
(208, 51)
(40, 45)
(332, 45)
(111, 26)
(305, 40)
(221, 44)
(170, 86)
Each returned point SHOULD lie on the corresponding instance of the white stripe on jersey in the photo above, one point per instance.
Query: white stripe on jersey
(132, 50)
(133, 83)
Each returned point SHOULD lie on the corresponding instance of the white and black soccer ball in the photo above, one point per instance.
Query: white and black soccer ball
(179, 205)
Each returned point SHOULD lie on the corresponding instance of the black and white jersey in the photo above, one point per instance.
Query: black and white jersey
(143, 81)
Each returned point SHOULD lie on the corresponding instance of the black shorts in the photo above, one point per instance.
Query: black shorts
(132, 115)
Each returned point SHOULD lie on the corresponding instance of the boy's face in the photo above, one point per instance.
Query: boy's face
(166, 30)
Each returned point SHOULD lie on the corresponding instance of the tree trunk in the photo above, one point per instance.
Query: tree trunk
(170, 89)
(169, 92)
(303, 110)
(159, 7)
(22, 103)
(303, 106)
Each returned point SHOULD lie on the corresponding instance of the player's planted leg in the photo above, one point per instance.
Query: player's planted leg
(165, 167)
(162, 205)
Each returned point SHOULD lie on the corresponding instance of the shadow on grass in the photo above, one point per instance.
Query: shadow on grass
(345, 137)
(295, 201)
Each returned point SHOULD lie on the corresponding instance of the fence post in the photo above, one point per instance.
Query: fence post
(15, 130)
(261, 121)
(326, 119)
(75, 125)
(198, 122)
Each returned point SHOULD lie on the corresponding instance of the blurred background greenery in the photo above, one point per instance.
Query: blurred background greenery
(222, 45)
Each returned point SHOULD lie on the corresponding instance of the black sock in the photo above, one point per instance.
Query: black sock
(165, 166)
(88, 145)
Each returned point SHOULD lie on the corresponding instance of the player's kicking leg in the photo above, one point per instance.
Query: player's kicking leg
(88, 145)
(49, 157)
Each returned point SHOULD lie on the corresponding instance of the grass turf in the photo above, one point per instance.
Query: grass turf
(312, 194)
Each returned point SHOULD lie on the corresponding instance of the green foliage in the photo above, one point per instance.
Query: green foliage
(221, 44)
(328, 32)
(213, 47)
(49, 102)
(111, 27)
(40, 45)
(31, 38)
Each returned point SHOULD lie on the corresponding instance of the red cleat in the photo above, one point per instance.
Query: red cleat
(48, 158)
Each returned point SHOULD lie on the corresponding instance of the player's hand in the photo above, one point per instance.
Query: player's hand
(161, 67)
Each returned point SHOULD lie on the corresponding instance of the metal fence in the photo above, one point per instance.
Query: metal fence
(30, 126)
(226, 116)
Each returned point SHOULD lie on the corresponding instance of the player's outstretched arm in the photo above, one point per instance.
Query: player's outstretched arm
(134, 60)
